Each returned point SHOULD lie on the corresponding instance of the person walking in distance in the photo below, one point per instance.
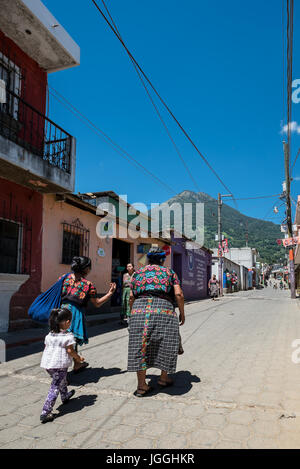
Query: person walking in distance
(213, 286)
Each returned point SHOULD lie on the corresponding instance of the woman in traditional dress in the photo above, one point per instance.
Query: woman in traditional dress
(213, 286)
(153, 323)
(76, 292)
(126, 293)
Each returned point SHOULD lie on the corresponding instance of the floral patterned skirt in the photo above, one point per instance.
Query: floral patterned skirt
(153, 335)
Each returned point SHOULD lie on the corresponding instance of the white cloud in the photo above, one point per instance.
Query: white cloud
(293, 126)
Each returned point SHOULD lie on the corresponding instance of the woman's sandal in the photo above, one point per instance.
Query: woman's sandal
(165, 384)
(80, 368)
(143, 392)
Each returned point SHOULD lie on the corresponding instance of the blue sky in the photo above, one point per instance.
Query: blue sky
(219, 67)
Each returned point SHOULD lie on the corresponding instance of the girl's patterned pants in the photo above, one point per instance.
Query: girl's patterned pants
(58, 385)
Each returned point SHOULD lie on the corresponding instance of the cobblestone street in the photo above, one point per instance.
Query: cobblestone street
(236, 385)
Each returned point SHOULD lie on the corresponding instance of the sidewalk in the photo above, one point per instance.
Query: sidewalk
(37, 334)
(30, 336)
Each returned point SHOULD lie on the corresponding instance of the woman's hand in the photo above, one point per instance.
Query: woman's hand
(112, 289)
(181, 319)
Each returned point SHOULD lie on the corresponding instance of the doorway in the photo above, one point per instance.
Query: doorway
(121, 252)
(177, 265)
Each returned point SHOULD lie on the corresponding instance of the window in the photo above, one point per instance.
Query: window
(15, 237)
(76, 240)
(10, 237)
(11, 75)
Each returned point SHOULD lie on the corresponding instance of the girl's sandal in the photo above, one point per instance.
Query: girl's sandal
(80, 368)
(143, 392)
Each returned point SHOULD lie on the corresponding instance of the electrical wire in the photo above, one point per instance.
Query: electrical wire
(100, 132)
(160, 98)
(154, 105)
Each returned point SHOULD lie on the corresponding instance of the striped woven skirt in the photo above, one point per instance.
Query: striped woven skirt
(153, 335)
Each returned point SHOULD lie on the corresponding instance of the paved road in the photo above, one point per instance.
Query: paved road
(236, 386)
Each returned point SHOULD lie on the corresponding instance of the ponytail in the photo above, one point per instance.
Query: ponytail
(57, 316)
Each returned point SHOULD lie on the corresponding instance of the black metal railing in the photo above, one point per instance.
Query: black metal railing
(15, 238)
(76, 241)
(29, 128)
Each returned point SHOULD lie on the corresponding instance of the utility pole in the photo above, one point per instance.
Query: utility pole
(289, 216)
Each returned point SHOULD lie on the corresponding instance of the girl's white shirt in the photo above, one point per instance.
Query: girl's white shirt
(55, 355)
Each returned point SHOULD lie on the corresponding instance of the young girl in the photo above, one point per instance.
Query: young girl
(57, 358)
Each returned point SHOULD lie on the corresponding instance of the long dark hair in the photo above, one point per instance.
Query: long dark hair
(80, 264)
(57, 316)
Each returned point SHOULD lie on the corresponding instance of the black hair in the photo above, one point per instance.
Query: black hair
(131, 263)
(156, 256)
(57, 316)
(80, 264)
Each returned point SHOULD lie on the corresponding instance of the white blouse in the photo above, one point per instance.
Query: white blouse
(55, 355)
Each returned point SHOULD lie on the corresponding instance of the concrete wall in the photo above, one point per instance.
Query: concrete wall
(244, 256)
(23, 167)
(47, 42)
(29, 203)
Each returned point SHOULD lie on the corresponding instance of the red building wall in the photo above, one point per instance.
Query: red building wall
(29, 203)
(34, 81)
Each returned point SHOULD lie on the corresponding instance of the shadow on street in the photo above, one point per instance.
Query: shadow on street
(92, 375)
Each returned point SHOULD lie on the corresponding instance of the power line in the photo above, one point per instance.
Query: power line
(258, 197)
(160, 98)
(295, 160)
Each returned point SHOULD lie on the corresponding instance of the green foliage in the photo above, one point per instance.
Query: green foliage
(262, 235)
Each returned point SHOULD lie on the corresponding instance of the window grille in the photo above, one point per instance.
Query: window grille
(76, 241)
(15, 238)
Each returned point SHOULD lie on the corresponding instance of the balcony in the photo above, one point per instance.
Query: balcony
(34, 151)
(38, 33)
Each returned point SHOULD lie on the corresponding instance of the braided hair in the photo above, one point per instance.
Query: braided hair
(80, 264)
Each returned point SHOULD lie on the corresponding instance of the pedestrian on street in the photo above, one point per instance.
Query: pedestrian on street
(153, 324)
(213, 286)
(126, 293)
(57, 358)
(76, 292)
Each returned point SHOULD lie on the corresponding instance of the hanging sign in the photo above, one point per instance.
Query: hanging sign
(101, 252)
(225, 245)
(290, 241)
(167, 250)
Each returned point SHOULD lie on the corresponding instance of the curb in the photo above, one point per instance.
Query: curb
(93, 322)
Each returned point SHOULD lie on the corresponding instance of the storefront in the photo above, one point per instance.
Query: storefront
(193, 267)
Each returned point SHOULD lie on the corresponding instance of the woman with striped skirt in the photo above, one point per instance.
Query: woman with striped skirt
(153, 325)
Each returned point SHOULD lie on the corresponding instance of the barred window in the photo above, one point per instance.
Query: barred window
(15, 238)
(76, 241)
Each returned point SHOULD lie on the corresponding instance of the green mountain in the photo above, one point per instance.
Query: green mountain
(262, 235)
